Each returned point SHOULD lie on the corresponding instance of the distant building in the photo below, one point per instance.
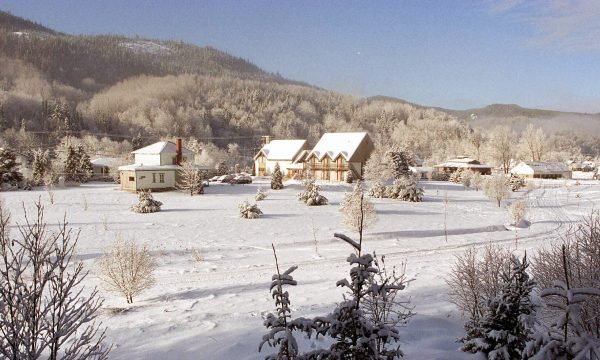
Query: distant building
(463, 163)
(289, 154)
(156, 166)
(101, 167)
(542, 170)
(336, 153)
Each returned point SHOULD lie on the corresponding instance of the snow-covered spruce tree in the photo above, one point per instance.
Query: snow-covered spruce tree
(310, 195)
(399, 161)
(40, 166)
(71, 165)
(260, 195)
(495, 188)
(277, 178)
(280, 327)
(44, 310)
(190, 179)
(146, 203)
(127, 269)
(349, 176)
(566, 337)
(222, 168)
(508, 317)
(9, 172)
(249, 211)
(84, 169)
(406, 189)
(377, 190)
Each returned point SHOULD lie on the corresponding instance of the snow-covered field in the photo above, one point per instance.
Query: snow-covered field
(214, 269)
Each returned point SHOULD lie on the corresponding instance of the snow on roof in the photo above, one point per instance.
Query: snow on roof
(283, 149)
(463, 162)
(105, 161)
(335, 144)
(134, 167)
(546, 167)
(162, 147)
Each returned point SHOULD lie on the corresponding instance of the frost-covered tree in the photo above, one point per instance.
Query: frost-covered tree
(71, 165)
(517, 211)
(533, 142)
(9, 172)
(456, 176)
(222, 168)
(191, 179)
(508, 318)
(566, 337)
(377, 190)
(477, 180)
(349, 176)
(502, 146)
(128, 269)
(466, 177)
(280, 327)
(277, 178)
(45, 312)
(399, 161)
(249, 211)
(405, 189)
(496, 189)
(310, 195)
(84, 167)
(146, 203)
(260, 195)
(40, 166)
(358, 212)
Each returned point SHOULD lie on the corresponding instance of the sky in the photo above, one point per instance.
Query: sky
(455, 54)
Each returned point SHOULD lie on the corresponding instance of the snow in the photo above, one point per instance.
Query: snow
(283, 149)
(161, 147)
(541, 167)
(146, 47)
(215, 268)
(106, 161)
(334, 144)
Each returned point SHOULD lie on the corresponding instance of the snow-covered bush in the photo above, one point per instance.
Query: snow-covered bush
(9, 172)
(440, 176)
(249, 211)
(377, 190)
(146, 203)
(517, 212)
(45, 312)
(476, 180)
(260, 195)
(508, 318)
(405, 189)
(495, 188)
(466, 177)
(127, 269)
(277, 178)
(310, 196)
(221, 168)
(516, 182)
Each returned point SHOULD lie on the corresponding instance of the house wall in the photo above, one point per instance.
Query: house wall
(266, 167)
(147, 179)
(147, 159)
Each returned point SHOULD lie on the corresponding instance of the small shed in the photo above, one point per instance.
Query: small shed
(542, 170)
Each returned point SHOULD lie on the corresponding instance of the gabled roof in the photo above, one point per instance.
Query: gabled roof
(545, 167)
(105, 161)
(282, 149)
(338, 144)
(162, 147)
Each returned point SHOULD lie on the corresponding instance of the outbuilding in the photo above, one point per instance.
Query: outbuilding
(542, 170)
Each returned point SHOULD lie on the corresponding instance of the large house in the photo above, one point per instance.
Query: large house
(336, 153)
(542, 170)
(287, 153)
(156, 166)
(462, 163)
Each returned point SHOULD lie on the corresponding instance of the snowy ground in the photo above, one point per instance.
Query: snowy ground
(212, 308)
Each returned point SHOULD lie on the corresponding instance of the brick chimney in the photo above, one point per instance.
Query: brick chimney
(178, 151)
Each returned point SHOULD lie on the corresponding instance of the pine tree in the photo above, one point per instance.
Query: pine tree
(72, 164)
(40, 166)
(85, 169)
(277, 178)
(508, 319)
(400, 160)
(9, 172)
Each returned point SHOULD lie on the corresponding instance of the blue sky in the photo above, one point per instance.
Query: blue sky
(455, 54)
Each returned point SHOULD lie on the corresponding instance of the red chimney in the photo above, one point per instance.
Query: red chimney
(179, 152)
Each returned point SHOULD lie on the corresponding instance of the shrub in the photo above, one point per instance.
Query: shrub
(146, 203)
(310, 196)
(277, 178)
(260, 195)
(249, 211)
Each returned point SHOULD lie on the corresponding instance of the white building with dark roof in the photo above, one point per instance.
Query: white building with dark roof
(542, 170)
(287, 153)
(462, 163)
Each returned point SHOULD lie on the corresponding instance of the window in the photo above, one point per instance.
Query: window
(162, 178)
(131, 178)
(153, 177)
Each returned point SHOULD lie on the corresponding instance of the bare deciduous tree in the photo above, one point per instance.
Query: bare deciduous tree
(128, 269)
(43, 312)
(190, 178)
(534, 142)
(502, 146)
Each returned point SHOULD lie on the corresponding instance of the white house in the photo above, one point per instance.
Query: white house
(156, 166)
(542, 170)
(463, 163)
(285, 152)
(336, 153)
